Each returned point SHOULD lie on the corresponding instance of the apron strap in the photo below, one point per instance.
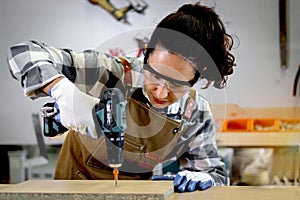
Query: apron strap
(127, 75)
(189, 105)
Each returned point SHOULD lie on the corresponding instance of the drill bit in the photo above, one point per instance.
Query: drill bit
(116, 175)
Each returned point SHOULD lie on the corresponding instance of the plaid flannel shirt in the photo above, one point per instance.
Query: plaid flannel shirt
(36, 64)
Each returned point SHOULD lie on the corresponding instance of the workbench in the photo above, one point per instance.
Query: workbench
(93, 189)
(242, 193)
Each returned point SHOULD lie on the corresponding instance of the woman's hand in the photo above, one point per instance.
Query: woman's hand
(189, 181)
(77, 109)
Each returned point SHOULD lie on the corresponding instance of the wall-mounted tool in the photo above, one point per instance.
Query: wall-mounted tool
(116, 52)
(138, 5)
(121, 13)
(142, 43)
(296, 82)
(283, 32)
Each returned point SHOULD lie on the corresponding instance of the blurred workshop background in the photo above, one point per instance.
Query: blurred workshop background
(257, 114)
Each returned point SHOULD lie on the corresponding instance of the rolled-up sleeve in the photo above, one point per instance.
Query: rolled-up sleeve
(35, 64)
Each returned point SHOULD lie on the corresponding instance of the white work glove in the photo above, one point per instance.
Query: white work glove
(189, 181)
(76, 107)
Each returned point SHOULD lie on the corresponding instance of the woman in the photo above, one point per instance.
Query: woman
(167, 120)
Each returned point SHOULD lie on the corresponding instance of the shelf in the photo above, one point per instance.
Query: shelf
(236, 139)
(251, 139)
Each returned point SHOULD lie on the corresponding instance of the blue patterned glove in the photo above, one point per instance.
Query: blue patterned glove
(190, 181)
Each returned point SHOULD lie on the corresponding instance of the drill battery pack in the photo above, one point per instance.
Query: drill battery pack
(52, 127)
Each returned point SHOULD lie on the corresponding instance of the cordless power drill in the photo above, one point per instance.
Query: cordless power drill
(111, 115)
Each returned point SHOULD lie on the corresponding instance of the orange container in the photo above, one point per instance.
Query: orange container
(237, 125)
(289, 125)
(264, 125)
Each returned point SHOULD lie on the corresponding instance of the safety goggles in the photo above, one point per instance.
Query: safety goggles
(174, 85)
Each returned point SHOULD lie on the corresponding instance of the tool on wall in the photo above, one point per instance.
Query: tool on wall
(116, 52)
(283, 32)
(142, 43)
(121, 13)
(296, 81)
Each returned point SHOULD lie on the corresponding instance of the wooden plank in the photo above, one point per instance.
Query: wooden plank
(243, 192)
(88, 189)
(217, 193)
(2, 186)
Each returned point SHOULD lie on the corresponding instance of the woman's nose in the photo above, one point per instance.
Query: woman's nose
(161, 91)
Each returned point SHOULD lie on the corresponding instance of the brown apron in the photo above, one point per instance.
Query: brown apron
(150, 139)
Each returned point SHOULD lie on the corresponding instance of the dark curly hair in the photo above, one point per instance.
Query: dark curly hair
(196, 32)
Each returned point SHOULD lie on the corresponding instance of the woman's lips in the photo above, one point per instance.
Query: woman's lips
(159, 101)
